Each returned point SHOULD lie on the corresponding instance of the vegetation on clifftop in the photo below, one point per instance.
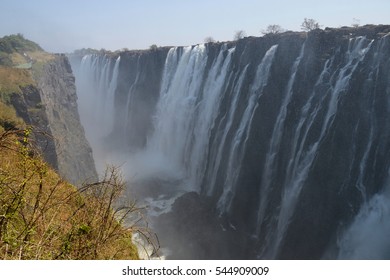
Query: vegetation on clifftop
(21, 62)
(18, 52)
(12, 43)
(12, 80)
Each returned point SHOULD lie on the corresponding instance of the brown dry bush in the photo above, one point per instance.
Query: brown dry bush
(44, 217)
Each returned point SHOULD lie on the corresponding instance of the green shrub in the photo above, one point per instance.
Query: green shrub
(8, 118)
(11, 43)
(5, 59)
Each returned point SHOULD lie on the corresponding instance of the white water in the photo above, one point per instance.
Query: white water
(303, 163)
(302, 154)
(96, 85)
(130, 96)
(236, 151)
(219, 144)
(173, 124)
(273, 150)
(357, 50)
(208, 109)
(187, 110)
(368, 235)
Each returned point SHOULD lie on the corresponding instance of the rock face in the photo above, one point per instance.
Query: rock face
(285, 136)
(58, 92)
(28, 105)
(51, 107)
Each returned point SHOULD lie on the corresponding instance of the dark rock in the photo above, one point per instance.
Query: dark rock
(58, 94)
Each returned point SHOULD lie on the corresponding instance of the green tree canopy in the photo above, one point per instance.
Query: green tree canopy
(17, 43)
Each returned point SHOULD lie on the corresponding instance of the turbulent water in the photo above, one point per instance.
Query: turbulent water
(286, 137)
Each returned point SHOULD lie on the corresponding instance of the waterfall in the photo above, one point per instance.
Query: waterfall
(174, 120)
(241, 136)
(129, 103)
(302, 160)
(96, 85)
(101, 80)
(187, 109)
(285, 138)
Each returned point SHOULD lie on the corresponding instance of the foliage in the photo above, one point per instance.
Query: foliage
(8, 118)
(273, 29)
(44, 217)
(16, 51)
(355, 22)
(153, 47)
(12, 80)
(17, 43)
(309, 24)
(209, 39)
(240, 34)
(5, 59)
(84, 51)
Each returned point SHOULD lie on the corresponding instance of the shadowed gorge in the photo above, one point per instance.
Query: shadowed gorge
(264, 148)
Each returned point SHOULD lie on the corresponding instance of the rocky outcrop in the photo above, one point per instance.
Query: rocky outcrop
(28, 105)
(50, 106)
(191, 230)
(56, 85)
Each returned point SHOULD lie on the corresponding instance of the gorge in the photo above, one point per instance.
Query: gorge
(275, 147)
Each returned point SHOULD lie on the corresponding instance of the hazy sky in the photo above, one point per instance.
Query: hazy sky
(63, 26)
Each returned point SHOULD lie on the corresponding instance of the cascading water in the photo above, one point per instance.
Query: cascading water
(238, 143)
(181, 84)
(300, 163)
(98, 85)
(285, 138)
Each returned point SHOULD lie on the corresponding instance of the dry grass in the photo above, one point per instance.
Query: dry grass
(17, 58)
(39, 56)
(13, 79)
(8, 118)
(44, 217)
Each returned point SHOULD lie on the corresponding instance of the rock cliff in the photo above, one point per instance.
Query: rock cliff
(56, 85)
(49, 104)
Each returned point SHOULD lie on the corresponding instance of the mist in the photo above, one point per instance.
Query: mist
(154, 180)
(367, 237)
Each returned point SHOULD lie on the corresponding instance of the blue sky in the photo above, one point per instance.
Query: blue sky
(66, 25)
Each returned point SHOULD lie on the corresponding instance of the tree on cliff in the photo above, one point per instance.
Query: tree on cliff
(239, 35)
(309, 24)
(273, 29)
(153, 47)
(209, 39)
(355, 22)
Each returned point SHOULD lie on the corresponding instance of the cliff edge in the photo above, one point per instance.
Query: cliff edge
(40, 88)
(57, 89)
